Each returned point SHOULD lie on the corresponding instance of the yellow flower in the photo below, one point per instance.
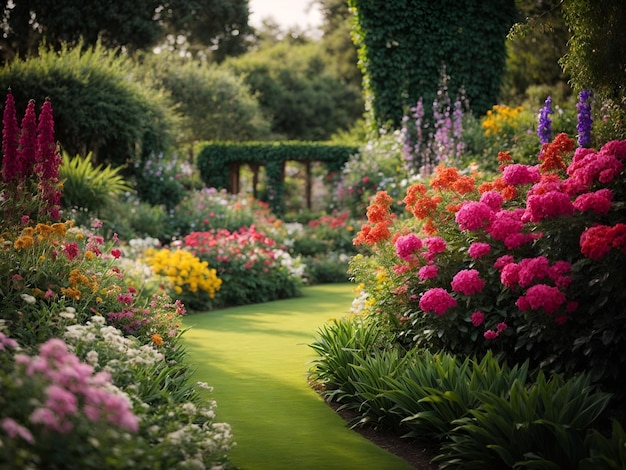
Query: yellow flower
(89, 255)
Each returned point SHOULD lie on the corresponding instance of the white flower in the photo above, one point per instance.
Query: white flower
(29, 299)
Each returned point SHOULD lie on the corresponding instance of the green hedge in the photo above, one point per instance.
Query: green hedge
(214, 162)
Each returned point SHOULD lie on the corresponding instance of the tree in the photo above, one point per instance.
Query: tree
(98, 105)
(535, 48)
(136, 25)
(214, 103)
(403, 45)
(298, 91)
(596, 57)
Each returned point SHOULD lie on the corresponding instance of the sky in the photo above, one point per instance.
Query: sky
(286, 13)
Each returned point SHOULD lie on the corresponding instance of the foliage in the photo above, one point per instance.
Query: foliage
(214, 103)
(99, 107)
(89, 188)
(299, 91)
(215, 160)
(595, 56)
(189, 279)
(209, 209)
(402, 46)
(161, 181)
(204, 24)
(543, 426)
(252, 266)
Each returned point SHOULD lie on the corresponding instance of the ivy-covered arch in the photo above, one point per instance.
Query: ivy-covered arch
(219, 164)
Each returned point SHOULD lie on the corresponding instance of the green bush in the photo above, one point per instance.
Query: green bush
(543, 426)
(159, 181)
(98, 105)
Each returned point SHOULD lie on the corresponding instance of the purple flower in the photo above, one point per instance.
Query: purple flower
(544, 129)
(584, 119)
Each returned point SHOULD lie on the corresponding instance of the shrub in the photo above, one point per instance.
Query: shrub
(543, 426)
(187, 278)
(521, 243)
(252, 266)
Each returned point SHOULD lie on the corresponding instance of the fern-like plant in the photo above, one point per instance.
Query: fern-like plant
(87, 188)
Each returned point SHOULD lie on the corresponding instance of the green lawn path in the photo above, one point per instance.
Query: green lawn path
(256, 359)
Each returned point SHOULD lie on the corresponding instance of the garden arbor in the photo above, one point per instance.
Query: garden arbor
(220, 165)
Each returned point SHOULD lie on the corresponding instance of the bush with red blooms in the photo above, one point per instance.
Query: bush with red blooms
(529, 264)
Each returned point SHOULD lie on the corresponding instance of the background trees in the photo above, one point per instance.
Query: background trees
(197, 25)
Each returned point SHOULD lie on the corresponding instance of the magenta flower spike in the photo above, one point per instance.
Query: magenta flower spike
(10, 133)
(27, 149)
(48, 160)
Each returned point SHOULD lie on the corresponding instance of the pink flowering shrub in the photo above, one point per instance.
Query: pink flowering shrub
(253, 267)
(531, 264)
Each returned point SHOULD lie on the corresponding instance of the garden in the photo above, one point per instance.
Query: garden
(485, 251)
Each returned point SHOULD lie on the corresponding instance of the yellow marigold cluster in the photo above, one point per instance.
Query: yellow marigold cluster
(186, 272)
(499, 118)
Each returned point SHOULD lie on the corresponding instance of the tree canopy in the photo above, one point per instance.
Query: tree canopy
(217, 25)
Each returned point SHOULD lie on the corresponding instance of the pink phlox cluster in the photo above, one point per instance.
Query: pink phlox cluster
(547, 199)
(493, 334)
(474, 216)
(407, 245)
(468, 282)
(429, 271)
(516, 173)
(73, 387)
(435, 245)
(615, 148)
(597, 241)
(437, 300)
(502, 261)
(478, 249)
(6, 342)
(529, 270)
(598, 202)
(542, 296)
(589, 167)
(477, 318)
(14, 429)
(493, 199)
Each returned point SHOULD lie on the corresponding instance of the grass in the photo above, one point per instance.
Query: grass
(256, 359)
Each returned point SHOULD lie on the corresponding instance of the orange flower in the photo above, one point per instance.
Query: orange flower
(464, 185)
(157, 339)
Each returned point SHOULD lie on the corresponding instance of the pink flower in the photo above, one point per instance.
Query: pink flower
(437, 300)
(468, 282)
(598, 202)
(547, 205)
(406, 245)
(478, 318)
(500, 327)
(14, 429)
(616, 148)
(116, 253)
(71, 250)
(474, 216)
(502, 261)
(428, 272)
(493, 199)
(506, 223)
(542, 296)
(595, 242)
(490, 334)
(520, 174)
(509, 276)
(478, 249)
(531, 269)
(515, 240)
(435, 245)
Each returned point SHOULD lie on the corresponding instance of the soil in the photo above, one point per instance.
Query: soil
(416, 453)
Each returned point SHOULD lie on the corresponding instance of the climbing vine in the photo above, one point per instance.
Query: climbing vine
(403, 45)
